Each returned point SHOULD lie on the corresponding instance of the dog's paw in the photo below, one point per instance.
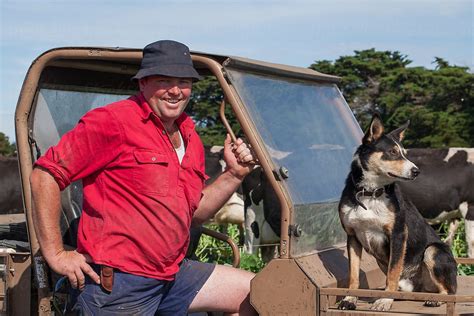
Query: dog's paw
(349, 302)
(432, 303)
(382, 304)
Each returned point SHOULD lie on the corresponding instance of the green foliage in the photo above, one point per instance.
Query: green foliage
(6, 149)
(251, 262)
(439, 103)
(459, 246)
(213, 250)
(360, 73)
(204, 108)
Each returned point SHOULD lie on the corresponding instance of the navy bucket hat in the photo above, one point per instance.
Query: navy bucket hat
(167, 58)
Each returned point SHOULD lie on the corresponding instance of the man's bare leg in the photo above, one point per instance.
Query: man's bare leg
(226, 290)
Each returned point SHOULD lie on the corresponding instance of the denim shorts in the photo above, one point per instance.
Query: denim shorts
(137, 295)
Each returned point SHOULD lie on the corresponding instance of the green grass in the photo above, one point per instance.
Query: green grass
(213, 250)
(459, 246)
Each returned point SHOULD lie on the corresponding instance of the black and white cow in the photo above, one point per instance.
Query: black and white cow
(10, 186)
(444, 190)
(254, 218)
(233, 211)
(262, 215)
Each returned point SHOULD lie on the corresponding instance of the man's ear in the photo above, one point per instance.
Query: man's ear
(141, 83)
(375, 130)
(399, 133)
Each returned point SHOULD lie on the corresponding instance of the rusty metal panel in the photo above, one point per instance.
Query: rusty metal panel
(281, 288)
(400, 308)
(20, 284)
(15, 284)
(406, 303)
(330, 268)
(278, 69)
(3, 283)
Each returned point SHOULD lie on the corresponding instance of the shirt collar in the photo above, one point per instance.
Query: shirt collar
(145, 109)
(183, 121)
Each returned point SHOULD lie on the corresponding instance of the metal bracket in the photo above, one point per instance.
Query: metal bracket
(294, 230)
(33, 142)
(284, 172)
(281, 174)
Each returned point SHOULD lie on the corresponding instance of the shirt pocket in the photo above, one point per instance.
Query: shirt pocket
(151, 172)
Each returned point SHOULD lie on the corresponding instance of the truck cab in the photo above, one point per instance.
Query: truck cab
(298, 124)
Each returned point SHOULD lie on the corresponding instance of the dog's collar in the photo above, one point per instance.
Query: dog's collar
(362, 192)
(374, 194)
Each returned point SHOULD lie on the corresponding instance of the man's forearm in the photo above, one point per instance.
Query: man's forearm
(215, 196)
(46, 212)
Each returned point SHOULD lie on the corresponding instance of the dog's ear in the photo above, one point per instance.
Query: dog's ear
(399, 133)
(375, 130)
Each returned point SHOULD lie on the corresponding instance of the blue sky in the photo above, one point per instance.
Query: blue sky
(294, 32)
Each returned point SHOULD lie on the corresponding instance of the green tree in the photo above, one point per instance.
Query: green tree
(204, 109)
(438, 102)
(440, 63)
(361, 75)
(6, 149)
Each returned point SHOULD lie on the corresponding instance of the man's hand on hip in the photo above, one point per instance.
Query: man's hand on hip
(75, 266)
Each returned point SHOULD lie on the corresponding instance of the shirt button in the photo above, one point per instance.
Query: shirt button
(163, 131)
(153, 158)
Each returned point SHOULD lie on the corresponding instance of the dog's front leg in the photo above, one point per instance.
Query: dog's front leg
(354, 251)
(395, 266)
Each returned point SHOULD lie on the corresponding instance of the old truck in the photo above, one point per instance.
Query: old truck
(304, 135)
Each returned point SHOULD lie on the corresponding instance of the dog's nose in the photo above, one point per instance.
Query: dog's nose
(415, 171)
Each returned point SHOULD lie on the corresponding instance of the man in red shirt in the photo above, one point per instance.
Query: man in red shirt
(142, 166)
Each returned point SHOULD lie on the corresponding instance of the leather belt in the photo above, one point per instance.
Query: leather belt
(107, 277)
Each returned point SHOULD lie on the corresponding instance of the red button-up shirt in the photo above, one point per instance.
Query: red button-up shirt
(138, 199)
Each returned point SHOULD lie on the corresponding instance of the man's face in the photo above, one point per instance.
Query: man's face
(167, 96)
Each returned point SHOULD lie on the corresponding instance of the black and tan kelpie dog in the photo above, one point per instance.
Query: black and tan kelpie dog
(376, 217)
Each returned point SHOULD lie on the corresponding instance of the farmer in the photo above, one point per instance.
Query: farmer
(142, 167)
